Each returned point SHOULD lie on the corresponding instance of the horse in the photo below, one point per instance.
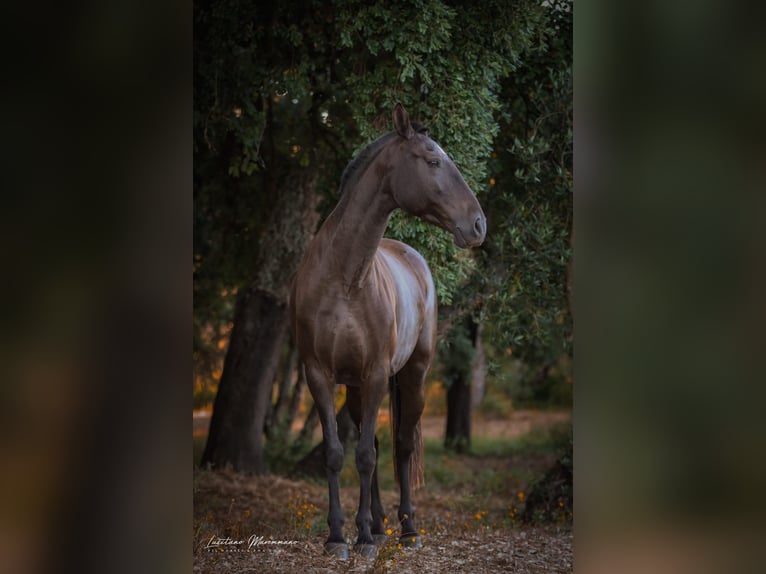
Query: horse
(363, 314)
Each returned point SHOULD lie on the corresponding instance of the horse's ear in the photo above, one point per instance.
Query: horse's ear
(402, 122)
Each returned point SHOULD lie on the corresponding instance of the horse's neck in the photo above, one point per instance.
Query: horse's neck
(358, 225)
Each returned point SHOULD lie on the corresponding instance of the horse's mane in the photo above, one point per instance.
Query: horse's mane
(355, 167)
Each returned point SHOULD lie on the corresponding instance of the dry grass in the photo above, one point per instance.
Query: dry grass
(469, 516)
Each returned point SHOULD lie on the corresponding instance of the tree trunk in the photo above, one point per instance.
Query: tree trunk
(479, 372)
(459, 372)
(260, 328)
(296, 398)
(279, 412)
(458, 436)
(244, 393)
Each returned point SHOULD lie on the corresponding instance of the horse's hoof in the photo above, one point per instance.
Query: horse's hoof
(411, 541)
(379, 539)
(366, 550)
(337, 549)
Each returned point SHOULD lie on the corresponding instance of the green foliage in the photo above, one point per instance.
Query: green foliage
(496, 404)
(529, 207)
(438, 59)
(456, 355)
(525, 384)
(282, 451)
(541, 389)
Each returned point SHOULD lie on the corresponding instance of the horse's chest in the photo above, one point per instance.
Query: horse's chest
(353, 340)
(354, 328)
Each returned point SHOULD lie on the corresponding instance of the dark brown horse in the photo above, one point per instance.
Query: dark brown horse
(363, 313)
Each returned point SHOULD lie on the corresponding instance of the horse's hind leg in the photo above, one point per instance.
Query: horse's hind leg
(323, 392)
(408, 445)
(378, 527)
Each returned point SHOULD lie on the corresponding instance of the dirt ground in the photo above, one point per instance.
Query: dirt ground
(276, 524)
(518, 424)
(266, 507)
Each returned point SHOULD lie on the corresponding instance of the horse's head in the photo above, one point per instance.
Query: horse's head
(426, 183)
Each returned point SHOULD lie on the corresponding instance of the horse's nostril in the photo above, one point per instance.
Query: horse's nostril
(479, 225)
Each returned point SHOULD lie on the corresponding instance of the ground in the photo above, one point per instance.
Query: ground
(468, 511)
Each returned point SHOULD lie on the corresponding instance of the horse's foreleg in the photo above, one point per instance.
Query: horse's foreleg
(323, 393)
(372, 395)
(378, 527)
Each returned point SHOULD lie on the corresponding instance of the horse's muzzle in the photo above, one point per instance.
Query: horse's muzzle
(471, 234)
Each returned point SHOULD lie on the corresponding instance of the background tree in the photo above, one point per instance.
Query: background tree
(256, 195)
(458, 353)
(520, 286)
(523, 275)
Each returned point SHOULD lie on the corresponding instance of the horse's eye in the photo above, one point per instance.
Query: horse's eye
(434, 162)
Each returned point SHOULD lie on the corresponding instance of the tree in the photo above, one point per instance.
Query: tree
(521, 284)
(523, 275)
(255, 135)
(260, 328)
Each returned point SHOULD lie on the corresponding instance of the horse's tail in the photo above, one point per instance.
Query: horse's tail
(417, 460)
